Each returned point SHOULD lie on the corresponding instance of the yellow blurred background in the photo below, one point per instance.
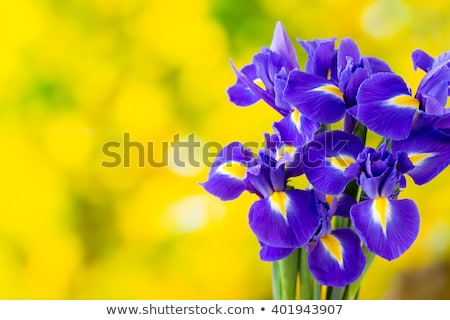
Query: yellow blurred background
(75, 74)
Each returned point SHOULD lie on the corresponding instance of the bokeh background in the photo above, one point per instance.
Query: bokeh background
(75, 74)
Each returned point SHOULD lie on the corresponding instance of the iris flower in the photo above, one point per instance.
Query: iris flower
(282, 217)
(387, 107)
(328, 158)
(331, 80)
(330, 221)
(335, 257)
(265, 79)
(387, 226)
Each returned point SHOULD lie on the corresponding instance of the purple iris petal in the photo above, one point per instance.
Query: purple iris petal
(241, 94)
(387, 227)
(422, 60)
(321, 56)
(442, 60)
(286, 219)
(433, 90)
(282, 45)
(226, 179)
(315, 97)
(278, 178)
(429, 151)
(375, 65)
(381, 185)
(295, 129)
(258, 180)
(344, 204)
(271, 254)
(268, 64)
(443, 124)
(327, 158)
(337, 259)
(347, 49)
(224, 186)
(280, 83)
(351, 81)
(385, 105)
(244, 80)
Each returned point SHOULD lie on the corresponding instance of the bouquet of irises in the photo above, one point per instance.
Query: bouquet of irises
(351, 211)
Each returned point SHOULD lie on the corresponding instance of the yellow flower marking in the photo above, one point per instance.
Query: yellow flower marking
(341, 162)
(331, 89)
(381, 211)
(333, 246)
(295, 117)
(234, 169)
(404, 100)
(279, 201)
(418, 158)
(259, 83)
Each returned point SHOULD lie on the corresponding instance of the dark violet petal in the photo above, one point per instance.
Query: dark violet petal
(375, 65)
(353, 111)
(352, 86)
(422, 60)
(442, 60)
(226, 179)
(224, 186)
(233, 152)
(271, 254)
(295, 129)
(278, 178)
(443, 124)
(435, 85)
(282, 45)
(353, 170)
(337, 259)
(328, 179)
(344, 204)
(263, 63)
(387, 227)
(370, 186)
(326, 159)
(291, 159)
(244, 80)
(316, 98)
(347, 48)
(259, 180)
(387, 188)
(270, 226)
(303, 214)
(286, 219)
(385, 106)
(429, 151)
(241, 95)
(403, 163)
(280, 83)
(321, 54)
(349, 121)
(432, 106)
(423, 120)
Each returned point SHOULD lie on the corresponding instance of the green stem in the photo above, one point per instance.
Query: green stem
(336, 293)
(360, 131)
(353, 289)
(284, 277)
(310, 289)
